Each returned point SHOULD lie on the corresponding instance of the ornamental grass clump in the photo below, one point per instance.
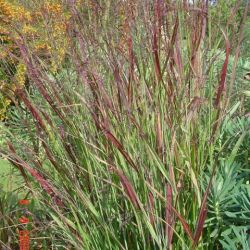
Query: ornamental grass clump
(127, 124)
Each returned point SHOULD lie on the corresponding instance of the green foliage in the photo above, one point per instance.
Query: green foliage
(229, 204)
(235, 238)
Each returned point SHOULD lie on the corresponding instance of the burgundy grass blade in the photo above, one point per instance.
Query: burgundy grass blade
(50, 156)
(184, 223)
(110, 137)
(203, 211)
(48, 188)
(158, 15)
(172, 43)
(127, 187)
(119, 146)
(106, 98)
(31, 108)
(221, 87)
(171, 211)
(204, 19)
(156, 56)
(177, 55)
(200, 223)
(121, 90)
(24, 175)
(131, 70)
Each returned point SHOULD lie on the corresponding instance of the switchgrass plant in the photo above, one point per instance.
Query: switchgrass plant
(127, 126)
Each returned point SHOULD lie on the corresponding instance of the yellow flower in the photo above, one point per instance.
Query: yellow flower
(28, 30)
(11, 12)
(45, 29)
(53, 8)
(20, 75)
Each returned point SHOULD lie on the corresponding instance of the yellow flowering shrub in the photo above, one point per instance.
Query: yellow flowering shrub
(7, 90)
(44, 27)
